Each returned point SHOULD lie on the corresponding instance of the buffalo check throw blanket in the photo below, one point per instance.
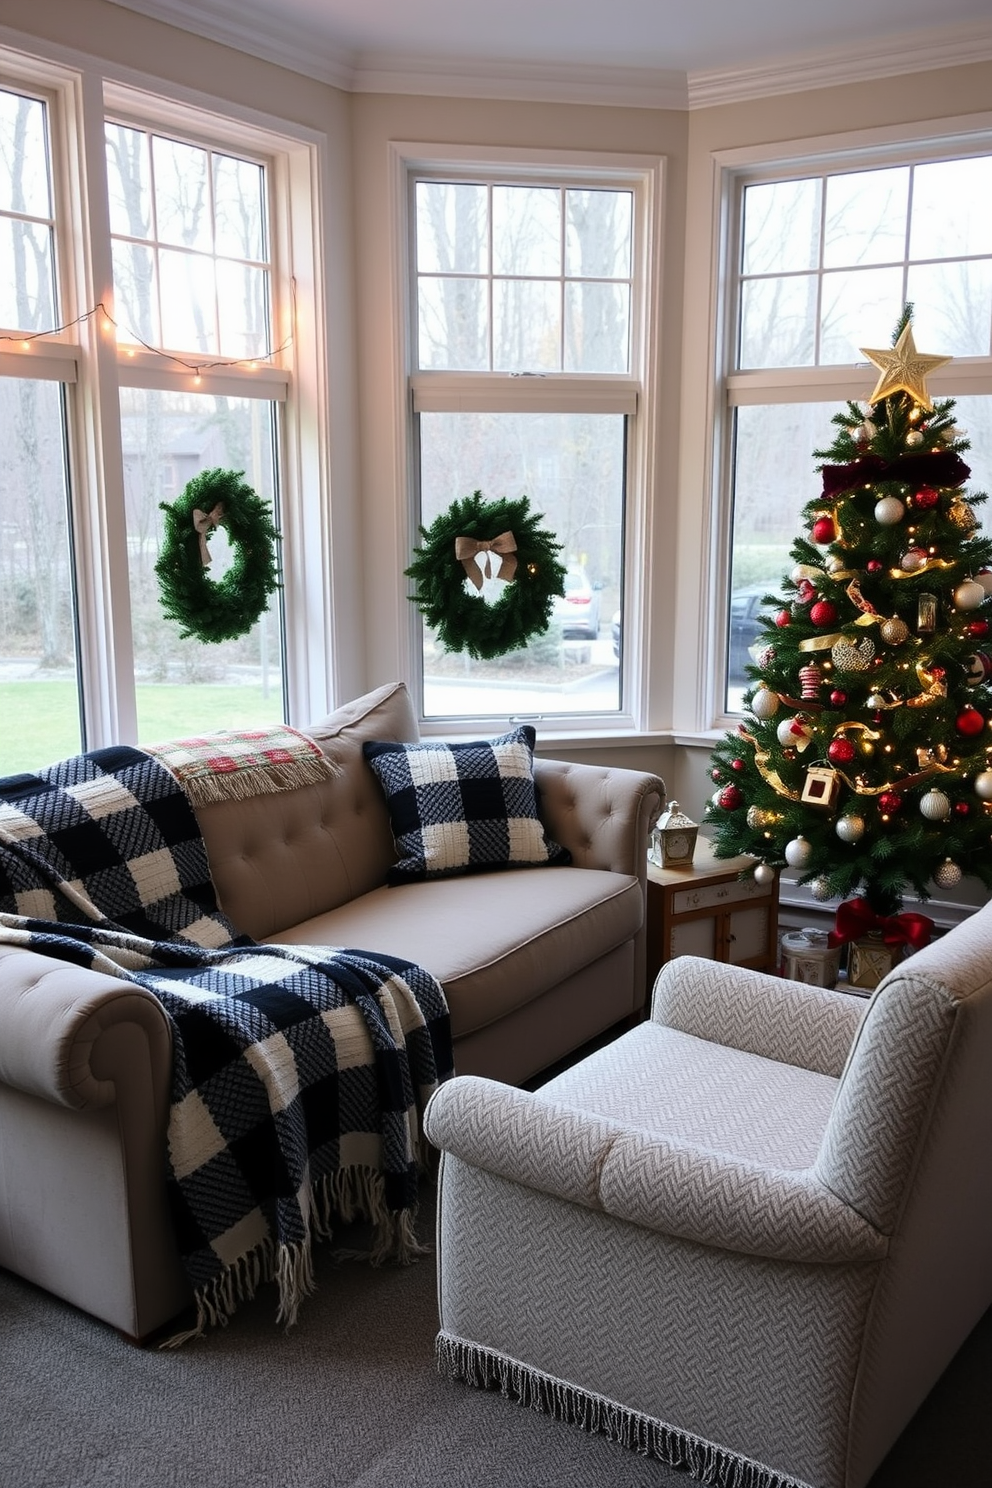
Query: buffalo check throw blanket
(299, 1072)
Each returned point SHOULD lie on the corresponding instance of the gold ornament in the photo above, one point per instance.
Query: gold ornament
(903, 369)
(894, 631)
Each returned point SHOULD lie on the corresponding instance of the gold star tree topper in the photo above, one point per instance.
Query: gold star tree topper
(903, 369)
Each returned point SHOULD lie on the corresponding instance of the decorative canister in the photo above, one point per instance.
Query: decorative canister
(808, 956)
(870, 959)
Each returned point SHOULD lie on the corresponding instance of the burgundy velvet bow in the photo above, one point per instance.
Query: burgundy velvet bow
(944, 468)
(855, 917)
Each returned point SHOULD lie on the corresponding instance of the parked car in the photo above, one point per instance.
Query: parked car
(578, 610)
(615, 633)
(745, 613)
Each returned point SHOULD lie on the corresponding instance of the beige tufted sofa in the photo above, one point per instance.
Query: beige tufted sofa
(534, 963)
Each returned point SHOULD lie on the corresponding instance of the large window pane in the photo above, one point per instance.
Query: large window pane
(778, 322)
(527, 324)
(952, 307)
(952, 208)
(598, 227)
(860, 307)
(597, 327)
(781, 227)
(452, 228)
(526, 230)
(39, 684)
(27, 260)
(571, 468)
(774, 478)
(189, 686)
(865, 219)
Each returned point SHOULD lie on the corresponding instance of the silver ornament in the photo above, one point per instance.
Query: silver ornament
(969, 595)
(935, 806)
(889, 511)
(948, 874)
(764, 874)
(798, 852)
(983, 785)
(850, 828)
(914, 438)
(820, 889)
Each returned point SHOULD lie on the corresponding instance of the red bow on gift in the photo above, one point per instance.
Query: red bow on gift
(855, 917)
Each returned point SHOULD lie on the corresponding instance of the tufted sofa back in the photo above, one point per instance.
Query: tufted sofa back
(279, 859)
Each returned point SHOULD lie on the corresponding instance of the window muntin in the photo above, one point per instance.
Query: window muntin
(523, 278)
(27, 249)
(826, 263)
(189, 234)
(533, 281)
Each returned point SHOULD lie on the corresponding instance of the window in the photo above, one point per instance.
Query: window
(115, 391)
(528, 293)
(823, 263)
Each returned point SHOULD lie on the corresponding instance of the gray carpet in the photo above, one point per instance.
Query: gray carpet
(348, 1399)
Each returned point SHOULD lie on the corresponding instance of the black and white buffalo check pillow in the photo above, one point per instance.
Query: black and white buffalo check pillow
(463, 808)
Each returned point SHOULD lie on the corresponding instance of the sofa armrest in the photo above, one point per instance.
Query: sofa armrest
(602, 815)
(791, 1022)
(64, 1029)
(673, 1187)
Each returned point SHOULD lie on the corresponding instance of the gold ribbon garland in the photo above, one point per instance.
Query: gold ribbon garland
(504, 546)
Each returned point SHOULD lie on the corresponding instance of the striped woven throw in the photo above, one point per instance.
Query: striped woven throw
(239, 763)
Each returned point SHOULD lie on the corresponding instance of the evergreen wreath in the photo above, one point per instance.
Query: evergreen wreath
(224, 609)
(449, 597)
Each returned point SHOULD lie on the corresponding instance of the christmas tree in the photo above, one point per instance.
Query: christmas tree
(865, 755)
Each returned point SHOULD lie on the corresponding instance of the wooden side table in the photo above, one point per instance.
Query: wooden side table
(704, 910)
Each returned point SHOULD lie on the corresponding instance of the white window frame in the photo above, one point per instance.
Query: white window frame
(963, 376)
(80, 94)
(633, 394)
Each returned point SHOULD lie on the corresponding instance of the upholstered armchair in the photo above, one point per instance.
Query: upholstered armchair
(746, 1237)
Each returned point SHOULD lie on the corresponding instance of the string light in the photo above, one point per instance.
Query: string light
(197, 368)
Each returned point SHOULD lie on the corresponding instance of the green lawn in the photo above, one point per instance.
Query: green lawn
(38, 720)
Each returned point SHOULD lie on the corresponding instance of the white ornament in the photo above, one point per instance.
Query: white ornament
(935, 806)
(835, 564)
(912, 560)
(983, 785)
(889, 511)
(850, 828)
(764, 704)
(948, 874)
(798, 852)
(820, 888)
(914, 438)
(985, 579)
(794, 732)
(764, 874)
(805, 571)
(866, 431)
(977, 669)
(969, 595)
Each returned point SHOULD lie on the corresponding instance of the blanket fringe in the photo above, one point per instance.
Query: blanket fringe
(242, 785)
(703, 1460)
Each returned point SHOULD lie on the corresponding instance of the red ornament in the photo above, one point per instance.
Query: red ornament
(737, 764)
(840, 751)
(838, 698)
(824, 530)
(978, 628)
(782, 618)
(969, 722)
(805, 591)
(874, 565)
(926, 497)
(890, 802)
(961, 808)
(730, 798)
(823, 613)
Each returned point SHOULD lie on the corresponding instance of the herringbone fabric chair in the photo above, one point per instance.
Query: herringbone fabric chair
(748, 1236)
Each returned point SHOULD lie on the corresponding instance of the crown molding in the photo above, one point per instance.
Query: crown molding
(308, 52)
(829, 67)
(534, 82)
(245, 29)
